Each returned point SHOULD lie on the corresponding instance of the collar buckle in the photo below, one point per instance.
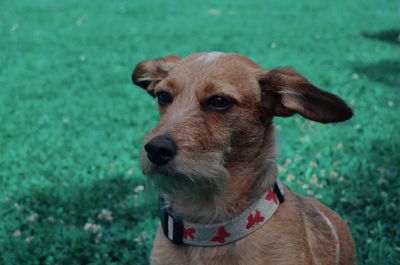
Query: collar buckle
(278, 193)
(172, 226)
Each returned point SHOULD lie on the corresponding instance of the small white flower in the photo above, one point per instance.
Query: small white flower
(32, 218)
(290, 177)
(139, 188)
(18, 206)
(105, 215)
(304, 139)
(334, 174)
(80, 20)
(214, 12)
(355, 76)
(314, 179)
(17, 233)
(313, 164)
(92, 228)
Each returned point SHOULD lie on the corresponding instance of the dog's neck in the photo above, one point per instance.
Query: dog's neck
(248, 180)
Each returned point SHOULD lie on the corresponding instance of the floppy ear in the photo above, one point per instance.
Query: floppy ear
(285, 92)
(147, 73)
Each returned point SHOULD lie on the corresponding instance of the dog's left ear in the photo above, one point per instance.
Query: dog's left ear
(285, 92)
(147, 73)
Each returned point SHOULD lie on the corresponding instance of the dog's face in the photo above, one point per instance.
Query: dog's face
(215, 110)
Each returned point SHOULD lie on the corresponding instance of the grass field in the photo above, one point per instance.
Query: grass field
(71, 122)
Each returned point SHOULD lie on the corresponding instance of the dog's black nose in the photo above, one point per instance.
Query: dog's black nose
(160, 150)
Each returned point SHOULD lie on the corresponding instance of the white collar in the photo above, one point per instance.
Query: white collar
(181, 232)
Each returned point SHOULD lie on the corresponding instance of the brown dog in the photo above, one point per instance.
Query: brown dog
(213, 157)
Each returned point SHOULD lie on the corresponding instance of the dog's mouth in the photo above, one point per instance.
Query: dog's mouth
(205, 170)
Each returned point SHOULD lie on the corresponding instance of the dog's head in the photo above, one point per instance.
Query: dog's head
(216, 114)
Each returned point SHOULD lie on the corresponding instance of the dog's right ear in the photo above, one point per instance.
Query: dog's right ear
(148, 73)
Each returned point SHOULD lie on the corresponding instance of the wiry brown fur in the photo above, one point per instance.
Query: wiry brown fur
(226, 160)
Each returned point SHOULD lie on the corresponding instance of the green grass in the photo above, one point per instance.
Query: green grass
(71, 123)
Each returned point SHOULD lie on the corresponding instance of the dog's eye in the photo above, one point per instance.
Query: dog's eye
(218, 103)
(163, 98)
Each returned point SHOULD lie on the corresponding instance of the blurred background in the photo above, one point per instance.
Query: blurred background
(71, 122)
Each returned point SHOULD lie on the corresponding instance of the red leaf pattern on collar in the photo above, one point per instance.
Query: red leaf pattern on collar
(252, 220)
(220, 236)
(271, 196)
(189, 233)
